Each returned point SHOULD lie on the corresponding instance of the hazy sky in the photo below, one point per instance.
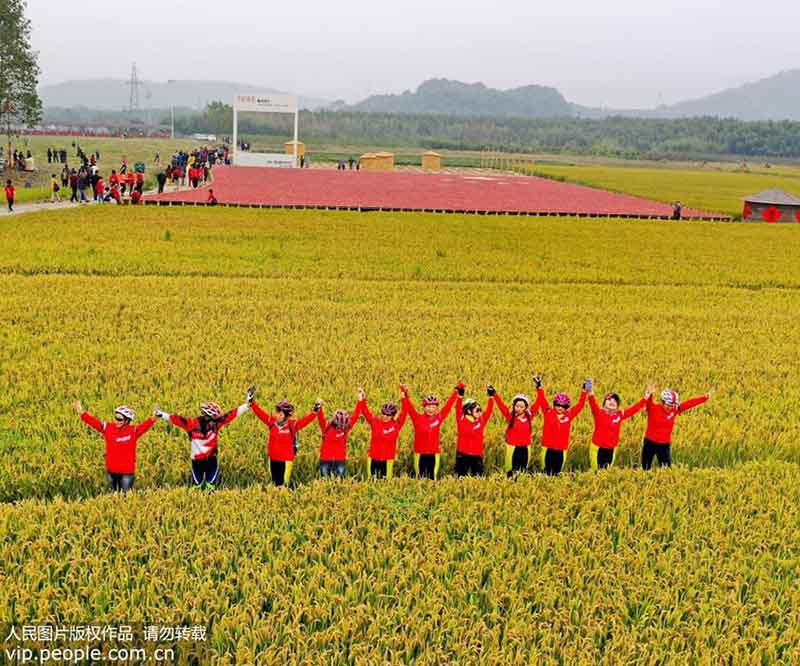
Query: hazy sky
(620, 53)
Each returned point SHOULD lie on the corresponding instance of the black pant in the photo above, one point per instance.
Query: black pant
(10, 205)
(604, 457)
(74, 196)
(206, 471)
(661, 451)
(427, 465)
(277, 470)
(120, 482)
(377, 469)
(553, 462)
(469, 465)
(160, 187)
(519, 460)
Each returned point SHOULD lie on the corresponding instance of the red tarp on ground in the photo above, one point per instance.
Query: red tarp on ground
(417, 191)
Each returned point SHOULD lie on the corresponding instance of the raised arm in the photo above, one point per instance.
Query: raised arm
(181, 421)
(266, 418)
(234, 414)
(308, 418)
(487, 413)
(578, 408)
(541, 400)
(355, 415)
(459, 409)
(323, 424)
(451, 401)
(144, 426)
(403, 415)
(93, 422)
(594, 406)
(407, 404)
(692, 402)
(633, 410)
(502, 407)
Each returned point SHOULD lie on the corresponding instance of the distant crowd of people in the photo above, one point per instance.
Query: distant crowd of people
(125, 184)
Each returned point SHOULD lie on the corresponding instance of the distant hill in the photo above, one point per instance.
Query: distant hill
(773, 98)
(114, 94)
(444, 96)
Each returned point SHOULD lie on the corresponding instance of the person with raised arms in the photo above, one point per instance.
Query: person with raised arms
(203, 434)
(384, 432)
(282, 445)
(519, 431)
(557, 425)
(333, 450)
(608, 420)
(660, 423)
(471, 420)
(122, 438)
(427, 428)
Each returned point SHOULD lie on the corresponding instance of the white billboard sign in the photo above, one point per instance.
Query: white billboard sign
(273, 160)
(266, 103)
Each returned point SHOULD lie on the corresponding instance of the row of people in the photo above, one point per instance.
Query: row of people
(122, 435)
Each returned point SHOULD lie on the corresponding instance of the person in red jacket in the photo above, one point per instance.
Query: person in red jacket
(471, 421)
(607, 423)
(136, 198)
(282, 445)
(557, 425)
(11, 193)
(333, 450)
(203, 434)
(519, 431)
(660, 422)
(101, 189)
(140, 182)
(121, 438)
(130, 178)
(427, 426)
(385, 430)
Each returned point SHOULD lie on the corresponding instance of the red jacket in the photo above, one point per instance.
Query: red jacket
(114, 179)
(204, 443)
(10, 192)
(427, 428)
(136, 198)
(383, 442)
(334, 441)
(520, 432)
(470, 431)
(556, 428)
(139, 178)
(120, 442)
(282, 436)
(101, 187)
(607, 426)
(660, 422)
(130, 178)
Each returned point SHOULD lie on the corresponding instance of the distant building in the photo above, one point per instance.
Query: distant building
(772, 206)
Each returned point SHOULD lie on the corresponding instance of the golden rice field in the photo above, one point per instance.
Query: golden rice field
(694, 565)
(710, 189)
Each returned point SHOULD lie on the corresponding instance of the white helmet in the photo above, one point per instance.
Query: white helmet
(125, 412)
(211, 409)
(669, 397)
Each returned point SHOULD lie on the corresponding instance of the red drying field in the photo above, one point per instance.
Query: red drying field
(328, 188)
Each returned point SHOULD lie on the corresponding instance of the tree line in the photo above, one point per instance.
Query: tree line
(632, 138)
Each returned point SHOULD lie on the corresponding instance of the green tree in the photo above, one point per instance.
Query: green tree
(19, 70)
